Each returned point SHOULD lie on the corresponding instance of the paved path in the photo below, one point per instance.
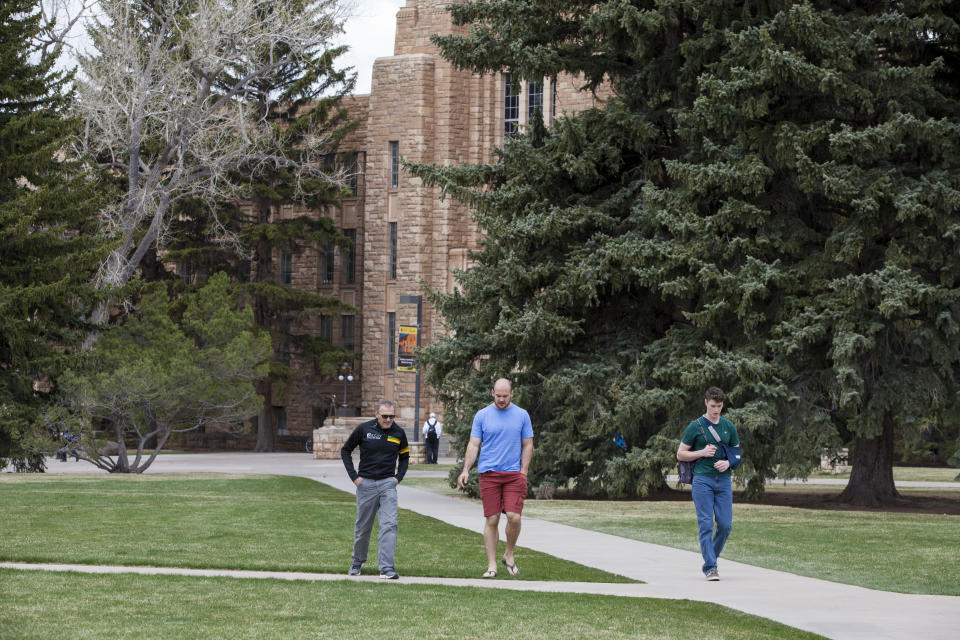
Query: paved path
(831, 609)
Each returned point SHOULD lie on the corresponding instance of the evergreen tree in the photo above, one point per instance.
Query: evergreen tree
(768, 203)
(48, 244)
(175, 366)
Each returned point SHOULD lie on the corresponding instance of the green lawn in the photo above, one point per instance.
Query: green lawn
(239, 522)
(284, 523)
(909, 553)
(41, 605)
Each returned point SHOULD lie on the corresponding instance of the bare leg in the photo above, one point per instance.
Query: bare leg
(513, 532)
(491, 536)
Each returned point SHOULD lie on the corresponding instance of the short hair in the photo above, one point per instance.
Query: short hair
(384, 404)
(505, 379)
(715, 393)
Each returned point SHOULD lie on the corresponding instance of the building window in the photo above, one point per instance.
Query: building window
(349, 263)
(283, 353)
(534, 99)
(511, 105)
(326, 328)
(352, 168)
(326, 262)
(393, 251)
(283, 347)
(347, 167)
(280, 420)
(286, 267)
(553, 100)
(394, 164)
(346, 333)
(391, 340)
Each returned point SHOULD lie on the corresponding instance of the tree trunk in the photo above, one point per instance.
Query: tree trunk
(123, 464)
(871, 478)
(262, 272)
(265, 431)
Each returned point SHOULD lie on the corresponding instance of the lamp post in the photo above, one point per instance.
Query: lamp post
(345, 377)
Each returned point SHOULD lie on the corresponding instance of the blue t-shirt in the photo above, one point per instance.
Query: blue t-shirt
(500, 432)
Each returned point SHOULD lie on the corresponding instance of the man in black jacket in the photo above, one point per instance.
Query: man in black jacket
(381, 443)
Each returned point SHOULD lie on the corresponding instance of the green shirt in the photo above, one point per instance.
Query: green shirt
(696, 441)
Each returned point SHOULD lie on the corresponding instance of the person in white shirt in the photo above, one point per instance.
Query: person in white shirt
(432, 430)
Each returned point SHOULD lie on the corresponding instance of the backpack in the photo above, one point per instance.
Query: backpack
(685, 467)
(432, 431)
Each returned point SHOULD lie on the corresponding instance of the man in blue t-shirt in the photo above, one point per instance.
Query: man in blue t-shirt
(503, 437)
(711, 489)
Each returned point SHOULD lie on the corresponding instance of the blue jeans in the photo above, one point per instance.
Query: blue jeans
(713, 499)
(375, 496)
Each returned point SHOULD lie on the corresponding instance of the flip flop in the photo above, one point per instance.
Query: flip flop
(511, 568)
(489, 573)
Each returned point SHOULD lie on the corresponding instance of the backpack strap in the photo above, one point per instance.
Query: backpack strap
(713, 432)
(700, 426)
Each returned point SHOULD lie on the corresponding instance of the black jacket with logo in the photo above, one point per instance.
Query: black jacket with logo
(379, 450)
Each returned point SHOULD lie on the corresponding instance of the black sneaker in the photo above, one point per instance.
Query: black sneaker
(712, 575)
(354, 570)
(390, 575)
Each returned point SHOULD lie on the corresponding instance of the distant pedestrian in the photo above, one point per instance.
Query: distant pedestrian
(382, 444)
(711, 489)
(502, 439)
(68, 446)
(432, 430)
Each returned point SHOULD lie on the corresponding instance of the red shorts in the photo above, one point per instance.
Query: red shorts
(502, 492)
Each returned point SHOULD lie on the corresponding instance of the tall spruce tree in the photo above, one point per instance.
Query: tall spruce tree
(301, 100)
(48, 243)
(768, 203)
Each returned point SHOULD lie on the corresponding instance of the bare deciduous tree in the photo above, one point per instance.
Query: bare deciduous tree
(59, 21)
(165, 107)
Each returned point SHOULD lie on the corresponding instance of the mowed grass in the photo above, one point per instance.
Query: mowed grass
(40, 605)
(904, 552)
(241, 522)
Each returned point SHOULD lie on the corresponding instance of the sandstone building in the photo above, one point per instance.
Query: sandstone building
(421, 109)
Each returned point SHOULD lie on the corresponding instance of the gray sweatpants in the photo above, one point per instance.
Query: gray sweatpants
(374, 496)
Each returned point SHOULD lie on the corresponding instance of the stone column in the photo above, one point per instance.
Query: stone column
(418, 453)
(327, 442)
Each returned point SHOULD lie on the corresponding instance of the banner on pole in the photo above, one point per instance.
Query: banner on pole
(405, 347)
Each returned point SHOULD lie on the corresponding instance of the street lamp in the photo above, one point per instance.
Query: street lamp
(345, 378)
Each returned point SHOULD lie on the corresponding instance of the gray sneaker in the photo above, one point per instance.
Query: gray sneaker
(712, 575)
(354, 570)
(390, 575)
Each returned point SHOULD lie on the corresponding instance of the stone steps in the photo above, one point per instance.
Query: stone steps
(329, 439)
(351, 423)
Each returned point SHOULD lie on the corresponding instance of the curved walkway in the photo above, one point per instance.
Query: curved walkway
(831, 609)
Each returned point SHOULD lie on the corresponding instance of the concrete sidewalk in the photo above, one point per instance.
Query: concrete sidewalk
(831, 609)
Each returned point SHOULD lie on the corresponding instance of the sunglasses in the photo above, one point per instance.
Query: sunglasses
(387, 415)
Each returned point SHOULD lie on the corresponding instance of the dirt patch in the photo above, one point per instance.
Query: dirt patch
(914, 503)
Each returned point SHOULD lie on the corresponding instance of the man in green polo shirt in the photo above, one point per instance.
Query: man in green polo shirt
(711, 489)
